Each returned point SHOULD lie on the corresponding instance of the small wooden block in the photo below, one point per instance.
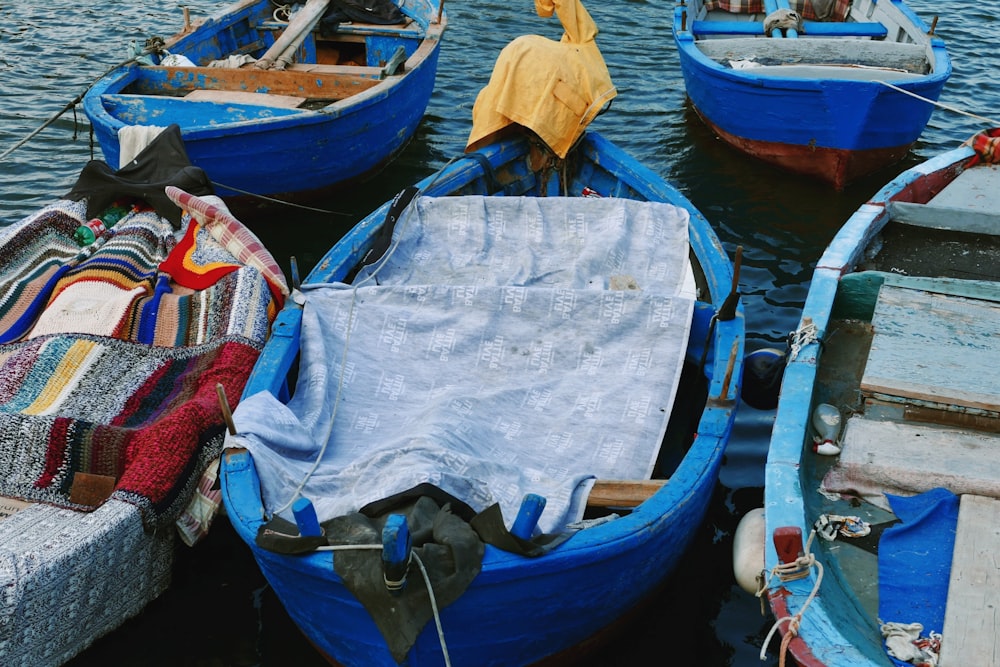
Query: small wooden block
(91, 490)
(623, 493)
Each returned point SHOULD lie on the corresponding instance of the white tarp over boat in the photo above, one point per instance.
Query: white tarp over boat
(507, 346)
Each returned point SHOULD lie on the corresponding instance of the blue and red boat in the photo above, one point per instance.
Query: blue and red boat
(832, 90)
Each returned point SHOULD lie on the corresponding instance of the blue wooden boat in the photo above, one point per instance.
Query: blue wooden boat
(289, 107)
(834, 95)
(520, 607)
(882, 494)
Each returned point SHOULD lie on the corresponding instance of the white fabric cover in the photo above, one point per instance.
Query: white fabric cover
(491, 359)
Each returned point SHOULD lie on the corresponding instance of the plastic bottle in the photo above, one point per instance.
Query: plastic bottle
(826, 421)
(91, 230)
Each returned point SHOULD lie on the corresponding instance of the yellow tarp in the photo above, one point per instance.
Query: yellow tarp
(553, 88)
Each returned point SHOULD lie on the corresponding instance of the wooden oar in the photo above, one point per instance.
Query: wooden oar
(293, 36)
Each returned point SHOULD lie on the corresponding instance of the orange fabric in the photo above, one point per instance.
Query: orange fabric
(553, 88)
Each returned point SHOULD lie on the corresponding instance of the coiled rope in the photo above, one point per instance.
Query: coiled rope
(797, 569)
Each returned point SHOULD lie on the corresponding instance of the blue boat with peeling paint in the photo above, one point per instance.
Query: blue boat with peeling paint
(833, 97)
(523, 610)
(896, 347)
(332, 108)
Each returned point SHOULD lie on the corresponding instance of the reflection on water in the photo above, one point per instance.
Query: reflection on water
(219, 611)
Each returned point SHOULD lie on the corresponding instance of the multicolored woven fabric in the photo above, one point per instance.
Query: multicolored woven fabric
(987, 146)
(813, 10)
(110, 367)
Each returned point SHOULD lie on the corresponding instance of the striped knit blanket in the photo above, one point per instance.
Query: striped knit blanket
(109, 364)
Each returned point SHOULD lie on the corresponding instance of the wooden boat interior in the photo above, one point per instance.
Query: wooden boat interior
(877, 39)
(327, 67)
(903, 359)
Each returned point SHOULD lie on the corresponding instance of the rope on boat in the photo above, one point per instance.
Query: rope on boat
(427, 582)
(798, 569)
(278, 201)
(801, 337)
(993, 123)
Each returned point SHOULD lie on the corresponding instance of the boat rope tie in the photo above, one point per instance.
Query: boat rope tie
(427, 582)
(942, 105)
(797, 569)
(804, 335)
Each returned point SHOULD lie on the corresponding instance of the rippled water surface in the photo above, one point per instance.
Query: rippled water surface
(219, 611)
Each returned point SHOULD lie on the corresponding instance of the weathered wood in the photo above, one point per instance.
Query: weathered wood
(935, 348)
(241, 97)
(946, 217)
(972, 617)
(623, 493)
(898, 457)
(819, 50)
(333, 85)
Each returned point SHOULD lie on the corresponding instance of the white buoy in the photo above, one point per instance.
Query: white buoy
(748, 549)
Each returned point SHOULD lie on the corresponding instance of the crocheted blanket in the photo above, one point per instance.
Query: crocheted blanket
(109, 364)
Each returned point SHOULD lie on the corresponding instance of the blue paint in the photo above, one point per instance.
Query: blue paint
(305, 518)
(396, 546)
(527, 516)
(548, 603)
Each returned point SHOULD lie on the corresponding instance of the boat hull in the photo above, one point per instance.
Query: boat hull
(517, 611)
(831, 122)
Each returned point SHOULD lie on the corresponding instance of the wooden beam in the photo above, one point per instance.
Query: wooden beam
(623, 492)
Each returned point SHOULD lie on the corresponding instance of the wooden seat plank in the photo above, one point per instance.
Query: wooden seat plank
(936, 348)
(809, 28)
(972, 616)
(243, 97)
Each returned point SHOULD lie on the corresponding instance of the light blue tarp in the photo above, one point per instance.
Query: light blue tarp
(489, 357)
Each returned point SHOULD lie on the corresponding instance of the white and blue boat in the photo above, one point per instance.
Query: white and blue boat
(832, 89)
(276, 104)
(879, 531)
(560, 370)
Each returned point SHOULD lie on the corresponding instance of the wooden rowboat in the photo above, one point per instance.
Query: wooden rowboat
(585, 547)
(271, 105)
(833, 95)
(882, 495)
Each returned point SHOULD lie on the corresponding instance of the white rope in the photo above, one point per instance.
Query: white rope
(804, 562)
(427, 582)
(942, 105)
(801, 337)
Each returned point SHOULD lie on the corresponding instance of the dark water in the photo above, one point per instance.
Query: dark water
(219, 610)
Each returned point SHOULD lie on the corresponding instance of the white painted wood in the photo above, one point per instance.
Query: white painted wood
(934, 347)
(972, 618)
(241, 97)
(912, 457)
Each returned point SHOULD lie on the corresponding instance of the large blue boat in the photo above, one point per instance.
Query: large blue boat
(834, 90)
(278, 105)
(589, 544)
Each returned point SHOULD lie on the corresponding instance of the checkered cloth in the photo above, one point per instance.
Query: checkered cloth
(813, 10)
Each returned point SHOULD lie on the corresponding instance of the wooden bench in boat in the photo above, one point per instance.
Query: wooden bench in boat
(868, 29)
(623, 493)
(242, 97)
(971, 623)
(966, 204)
(870, 53)
(933, 348)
